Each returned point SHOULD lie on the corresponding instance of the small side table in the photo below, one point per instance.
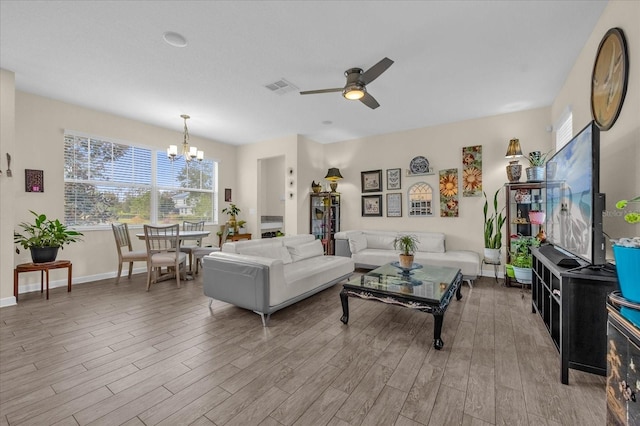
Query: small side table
(234, 237)
(43, 268)
(495, 263)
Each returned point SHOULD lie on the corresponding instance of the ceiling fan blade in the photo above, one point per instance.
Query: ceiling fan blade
(313, 92)
(374, 72)
(369, 101)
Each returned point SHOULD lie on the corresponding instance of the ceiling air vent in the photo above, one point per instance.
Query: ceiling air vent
(281, 87)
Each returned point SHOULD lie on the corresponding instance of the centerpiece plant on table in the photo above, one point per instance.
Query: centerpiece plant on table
(408, 245)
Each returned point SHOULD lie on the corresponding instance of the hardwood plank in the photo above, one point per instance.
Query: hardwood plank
(387, 407)
(295, 405)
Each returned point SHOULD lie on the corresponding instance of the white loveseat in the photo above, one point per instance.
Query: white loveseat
(370, 249)
(269, 274)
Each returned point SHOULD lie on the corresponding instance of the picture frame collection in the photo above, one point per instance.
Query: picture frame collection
(371, 181)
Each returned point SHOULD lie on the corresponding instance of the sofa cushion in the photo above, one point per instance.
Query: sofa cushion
(308, 274)
(283, 254)
(431, 242)
(357, 242)
(380, 240)
(306, 250)
(260, 248)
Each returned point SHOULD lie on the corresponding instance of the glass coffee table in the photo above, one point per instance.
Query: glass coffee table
(426, 289)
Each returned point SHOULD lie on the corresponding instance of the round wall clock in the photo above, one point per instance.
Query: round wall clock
(419, 164)
(609, 79)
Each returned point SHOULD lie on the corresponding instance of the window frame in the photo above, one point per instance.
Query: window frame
(154, 186)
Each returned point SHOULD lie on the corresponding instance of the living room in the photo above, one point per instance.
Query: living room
(35, 119)
(33, 125)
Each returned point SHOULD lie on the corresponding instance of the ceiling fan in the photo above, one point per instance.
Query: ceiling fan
(356, 89)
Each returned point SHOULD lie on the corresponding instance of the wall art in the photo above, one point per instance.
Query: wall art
(34, 180)
(371, 205)
(472, 171)
(394, 204)
(371, 181)
(449, 193)
(394, 179)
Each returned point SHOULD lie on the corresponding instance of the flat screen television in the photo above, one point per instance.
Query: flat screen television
(574, 204)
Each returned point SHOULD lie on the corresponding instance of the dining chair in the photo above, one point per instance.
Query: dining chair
(125, 250)
(188, 246)
(201, 252)
(163, 250)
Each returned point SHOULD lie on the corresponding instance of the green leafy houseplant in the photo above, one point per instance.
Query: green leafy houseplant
(407, 244)
(536, 159)
(44, 233)
(627, 255)
(632, 217)
(493, 223)
(521, 256)
(232, 210)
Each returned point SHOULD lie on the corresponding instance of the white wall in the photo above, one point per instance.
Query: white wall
(620, 145)
(40, 123)
(248, 173)
(442, 146)
(7, 185)
(272, 186)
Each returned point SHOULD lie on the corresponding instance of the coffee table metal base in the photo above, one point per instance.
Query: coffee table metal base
(437, 310)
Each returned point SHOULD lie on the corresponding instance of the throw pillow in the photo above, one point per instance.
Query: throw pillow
(357, 242)
(304, 251)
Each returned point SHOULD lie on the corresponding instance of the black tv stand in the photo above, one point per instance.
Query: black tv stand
(559, 258)
(570, 302)
(595, 268)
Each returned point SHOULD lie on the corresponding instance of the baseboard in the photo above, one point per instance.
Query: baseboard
(8, 301)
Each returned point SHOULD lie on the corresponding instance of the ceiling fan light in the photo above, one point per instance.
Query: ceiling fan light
(354, 92)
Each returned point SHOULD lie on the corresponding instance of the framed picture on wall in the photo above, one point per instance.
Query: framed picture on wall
(393, 179)
(371, 205)
(371, 181)
(394, 204)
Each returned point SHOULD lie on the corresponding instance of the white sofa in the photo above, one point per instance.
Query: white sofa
(269, 274)
(370, 249)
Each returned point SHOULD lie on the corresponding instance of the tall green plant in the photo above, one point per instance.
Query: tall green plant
(493, 223)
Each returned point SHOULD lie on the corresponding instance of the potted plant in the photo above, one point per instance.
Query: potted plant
(241, 224)
(232, 211)
(492, 229)
(626, 252)
(535, 173)
(44, 237)
(407, 244)
(522, 259)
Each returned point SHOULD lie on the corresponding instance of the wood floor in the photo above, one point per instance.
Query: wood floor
(109, 355)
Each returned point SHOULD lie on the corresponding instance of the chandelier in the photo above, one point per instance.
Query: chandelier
(189, 153)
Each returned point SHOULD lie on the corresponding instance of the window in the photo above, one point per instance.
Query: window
(107, 181)
(564, 129)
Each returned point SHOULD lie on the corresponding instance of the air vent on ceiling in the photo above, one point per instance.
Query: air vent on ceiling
(281, 87)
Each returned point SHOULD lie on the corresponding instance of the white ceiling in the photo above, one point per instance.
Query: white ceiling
(454, 60)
